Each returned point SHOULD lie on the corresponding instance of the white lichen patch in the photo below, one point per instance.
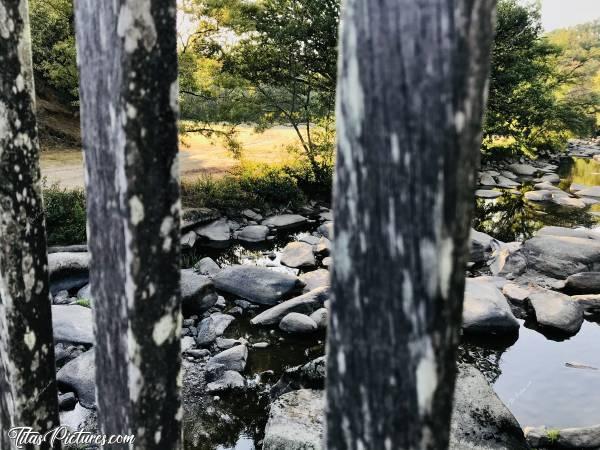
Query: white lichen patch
(446, 266)
(136, 25)
(343, 262)
(5, 22)
(174, 96)
(136, 210)
(30, 339)
(426, 377)
(164, 329)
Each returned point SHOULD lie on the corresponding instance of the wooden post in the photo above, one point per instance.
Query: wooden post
(28, 395)
(411, 93)
(128, 88)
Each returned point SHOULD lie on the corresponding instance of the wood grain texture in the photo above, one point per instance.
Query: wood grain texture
(411, 94)
(128, 77)
(28, 394)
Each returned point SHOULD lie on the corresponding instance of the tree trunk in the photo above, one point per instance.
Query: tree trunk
(128, 89)
(411, 93)
(28, 395)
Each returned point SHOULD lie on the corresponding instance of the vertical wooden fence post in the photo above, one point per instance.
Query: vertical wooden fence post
(128, 88)
(28, 395)
(411, 93)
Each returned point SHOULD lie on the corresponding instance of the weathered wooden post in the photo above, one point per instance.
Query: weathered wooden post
(128, 87)
(411, 94)
(28, 396)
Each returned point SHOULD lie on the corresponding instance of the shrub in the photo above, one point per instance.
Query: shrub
(65, 215)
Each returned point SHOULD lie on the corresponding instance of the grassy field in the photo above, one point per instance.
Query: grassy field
(198, 155)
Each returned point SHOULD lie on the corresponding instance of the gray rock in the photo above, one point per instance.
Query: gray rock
(480, 421)
(61, 298)
(253, 233)
(323, 248)
(230, 380)
(257, 284)
(285, 221)
(298, 254)
(538, 196)
(487, 193)
(486, 310)
(509, 175)
(583, 283)
(509, 260)
(67, 402)
(582, 233)
(72, 324)
(197, 353)
(66, 263)
(311, 375)
(197, 292)
(225, 343)
(232, 359)
(309, 239)
(78, 376)
(207, 332)
(505, 182)
(85, 293)
(550, 178)
(221, 321)
(297, 323)
(326, 230)
(593, 191)
(327, 262)
(213, 371)
(480, 244)
(568, 202)
(589, 302)
(315, 279)
(487, 180)
(546, 186)
(249, 214)
(320, 316)
(561, 256)
(192, 217)
(188, 240)
(306, 303)
(187, 343)
(523, 169)
(556, 311)
(296, 421)
(215, 234)
(207, 266)
(566, 438)
(80, 419)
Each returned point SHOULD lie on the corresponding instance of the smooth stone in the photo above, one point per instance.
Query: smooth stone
(546, 186)
(487, 193)
(298, 254)
(556, 311)
(225, 343)
(253, 233)
(296, 421)
(79, 375)
(216, 233)
(480, 244)
(508, 174)
(326, 230)
(486, 310)
(85, 293)
(285, 221)
(72, 324)
(188, 240)
(187, 343)
(320, 316)
(508, 260)
(221, 321)
(515, 293)
(561, 256)
(550, 178)
(67, 263)
(197, 353)
(538, 196)
(583, 233)
(565, 438)
(257, 284)
(192, 217)
(230, 380)
(487, 180)
(505, 182)
(310, 375)
(326, 215)
(67, 402)
(207, 266)
(323, 248)
(523, 169)
(197, 292)
(315, 279)
(232, 359)
(297, 323)
(568, 202)
(249, 214)
(593, 191)
(327, 262)
(79, 419)
(583, 283)
(306, 303)
(309, 239)
(61, 298)
(207, 332)
(589, 302)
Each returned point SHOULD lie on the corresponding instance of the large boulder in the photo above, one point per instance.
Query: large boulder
(306, 303)
(215, 234)
(197, 292)
(79, 376)
(297, 255)
(67, 263)
(257, 284)
(206, 266)
(72, 324)
(315, 279)
(566, 438)
(253, 233)
(508, 260)
(480, 244)
(296, 421)
(285, 221)
(583, 283)
(556, 311)
(523, 169)
(561, 256)
(486, 310)
(480, 421)
(297, 323)
(232, 359)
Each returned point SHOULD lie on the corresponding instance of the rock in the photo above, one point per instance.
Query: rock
(486, 310)
(298, 254)
(507, 183)
(207, 332)
(583, 283)
(305, 303)
(72, 324)
(508, 174)
(63, 263)
(221, 321)
(480, 243)
(207, 266)
(197, 292)
(480, 421)
(509, 260)
(546, 186)
(515, 293)
(323, 248)
(187, 343)
(79, 375)
(285, 221)
(232, 359)
(230, 380)
(315, 279)
(566, 438)
(589, 302)
(327, 262)
(561, 256)
(487, 193)
(249, 214)
(582, 233)
(67, 402)
(326, 215)
(556, 311)
(574, 188)
(309, 239)
(568, 202)
(296, 421)
(538, 196)
(188, 240)
(253, 233)
(61, 298)
(593, 191)
(213, 371)
(326, 230)
(487, 180)
(523, 169)
(192, 217)
(80, 419)
(550, 178)
(215, 234)
(85, 293)
(320, 316)
(297, 323)
(311, 375)
(197, 353)
(257, 284)
(225, 343)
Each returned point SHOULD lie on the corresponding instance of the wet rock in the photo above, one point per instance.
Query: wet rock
(311, 375)
(257, 284)
(188, 240)
(253, 233)
(556, 311)
(487, 193)
(523, 169)
(230, 380)
(197, 292)
(207, 266)
(309, 239)
(566, 438)
(207, 332)
(326, 230)
(315, 279)
(215, 234)
(298, 254)
(306, 303)
(78, 376)
(221, 321)
(583, 283)
(486, 310)
(296, 421)
(480, 421)
(72, 324)
(232, 359)
(593, 191)
(561, 256)
(297, 323)
(251, 215)
(285, 221)
(67, 402)
(320, 316)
